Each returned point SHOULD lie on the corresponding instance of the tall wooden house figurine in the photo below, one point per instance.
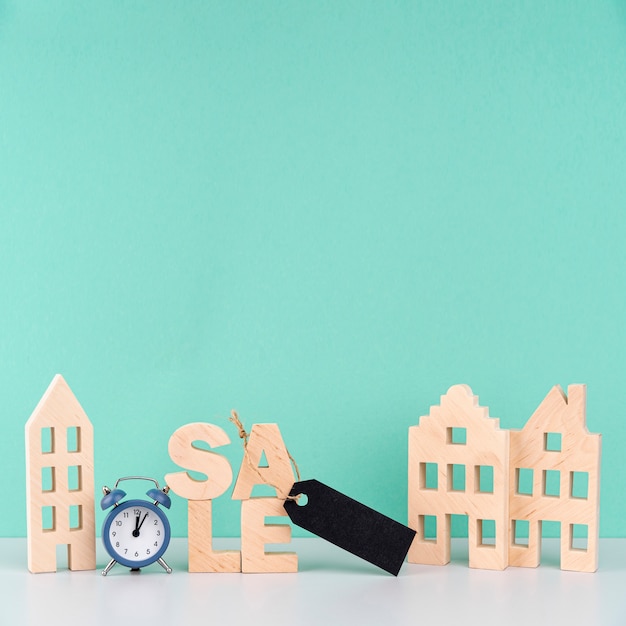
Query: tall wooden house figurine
(60, 482)
(555, 475)
(506, 482)
(458, 465)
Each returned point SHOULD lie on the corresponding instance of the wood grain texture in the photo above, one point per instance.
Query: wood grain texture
(185, 453)
(264, 438)
(202, 556)
(573, 453)
(547, 472)
(60, 475)
(486, 446)
(256, 534)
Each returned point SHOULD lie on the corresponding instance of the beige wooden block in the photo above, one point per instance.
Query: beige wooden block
(184, 453)
(264, 438)
(60, 495)
(202, 557)
(458, 465)
(255, 534)
(555, 476)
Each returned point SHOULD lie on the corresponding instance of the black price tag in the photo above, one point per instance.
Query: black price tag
(350, 525)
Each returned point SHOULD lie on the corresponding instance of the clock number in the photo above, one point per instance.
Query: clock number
(125, 550)
(136, 512)
(136, 553)
(156, 521)
(114, 533)
(158, 533)
(148, 551)
(156, 544)
(118, 522)
(117, 544)
(125, 513)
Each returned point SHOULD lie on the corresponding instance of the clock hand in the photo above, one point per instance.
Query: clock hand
(142, 521)
(137, 526)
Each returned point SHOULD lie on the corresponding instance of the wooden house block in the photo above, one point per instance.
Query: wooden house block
(458, 465)
(255, 533)
(202, 557)
(278, 473)
(60, 482)
(555, 476)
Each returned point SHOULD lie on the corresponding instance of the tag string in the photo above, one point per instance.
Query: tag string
(244, 436)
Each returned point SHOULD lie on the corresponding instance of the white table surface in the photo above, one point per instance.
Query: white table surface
(332, 587)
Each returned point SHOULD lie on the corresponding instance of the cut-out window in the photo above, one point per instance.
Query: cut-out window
(579, 534)
(486, 532)
(457, 435)
(456, 477)
(524, 481)
(74, 477)
(552, 483)
(520, 532)
(580, 485)
(552, 442)
(429, 476)
(76, 516)
(48, 518)
(47, 440)
(73, 439)
(47, 479)
(483, 479)
(428, 527)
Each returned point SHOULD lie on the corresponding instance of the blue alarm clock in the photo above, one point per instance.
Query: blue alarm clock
(136, 533)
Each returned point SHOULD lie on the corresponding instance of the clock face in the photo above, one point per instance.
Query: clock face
(136, 533)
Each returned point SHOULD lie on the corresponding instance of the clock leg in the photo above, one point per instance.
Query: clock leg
(107, 569)
(165, 566)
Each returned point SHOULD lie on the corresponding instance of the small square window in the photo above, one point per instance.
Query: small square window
(456, 477)
(74, 477)
(552, 483)
(579, 537)
(524, 481)
(520, 532)
(47, 440)
(429, 476)
(428, 527)
(457, 435)
(580, 485)
(483, 479)
(48, 518)
(73, 439)
(76, 516)
(552, 442)
(486, 532)
(47, 479)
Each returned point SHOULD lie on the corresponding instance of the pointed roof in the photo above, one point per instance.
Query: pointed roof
(460, 407)
(561, 412)
(58, 407)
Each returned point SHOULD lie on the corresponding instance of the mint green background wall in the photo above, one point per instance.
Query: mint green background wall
(321, 214)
